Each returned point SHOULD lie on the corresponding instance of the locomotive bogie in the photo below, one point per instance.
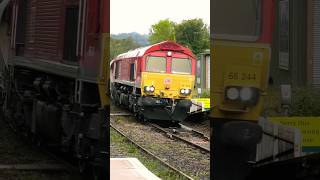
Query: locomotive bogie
(46, 121)
(45, 106)
(163, 109)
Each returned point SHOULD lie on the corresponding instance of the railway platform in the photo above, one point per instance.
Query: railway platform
(129, 169)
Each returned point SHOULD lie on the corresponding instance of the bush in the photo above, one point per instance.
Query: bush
(305, 102)
(273, 102)
(205, 93)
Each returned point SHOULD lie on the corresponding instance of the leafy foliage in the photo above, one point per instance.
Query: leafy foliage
(205, 93)
(118, 46)
(162, 31)
(194, 34)
(305, 102)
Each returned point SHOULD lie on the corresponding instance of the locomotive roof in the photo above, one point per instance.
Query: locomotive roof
(165, 45)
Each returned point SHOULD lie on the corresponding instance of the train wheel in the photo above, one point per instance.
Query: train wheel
(131, 103)
(141, 118)
(2, 105)
(82, 165)
(117, 100)
(135, 109)
(92, 172)
(97, 173)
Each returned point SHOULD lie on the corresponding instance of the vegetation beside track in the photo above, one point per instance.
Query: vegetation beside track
(177, 154)
(305, 102)
(121, 147)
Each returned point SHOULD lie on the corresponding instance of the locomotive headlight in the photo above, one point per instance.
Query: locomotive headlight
(243, 95)
(232, 93)
(246, 94)
(149, 89)
(249, 95)
(185, 91)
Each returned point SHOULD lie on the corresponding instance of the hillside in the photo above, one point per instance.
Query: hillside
(138, 38)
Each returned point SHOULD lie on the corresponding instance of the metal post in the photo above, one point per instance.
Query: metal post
(285, 98)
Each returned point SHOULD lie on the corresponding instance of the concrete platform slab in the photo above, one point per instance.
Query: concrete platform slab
(129, 169)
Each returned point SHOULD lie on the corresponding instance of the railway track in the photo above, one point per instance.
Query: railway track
(151, 154)
(182, 133)
(182, 147)
(186, 135)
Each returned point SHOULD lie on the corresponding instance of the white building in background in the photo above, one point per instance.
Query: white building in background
(203, 72)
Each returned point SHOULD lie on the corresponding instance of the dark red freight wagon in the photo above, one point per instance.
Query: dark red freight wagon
(56, 74)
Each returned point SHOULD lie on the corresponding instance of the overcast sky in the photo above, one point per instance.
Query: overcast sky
(139, 15)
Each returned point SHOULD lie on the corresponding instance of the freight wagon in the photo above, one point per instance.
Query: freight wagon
(55, 75)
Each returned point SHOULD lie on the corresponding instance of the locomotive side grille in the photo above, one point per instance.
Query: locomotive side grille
(30, 28)
(43, 29)
(316, 45)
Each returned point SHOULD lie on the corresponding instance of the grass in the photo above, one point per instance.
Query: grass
(119, 120)
(153, 165)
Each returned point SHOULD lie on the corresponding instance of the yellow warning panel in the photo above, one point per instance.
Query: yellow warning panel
(309, 126)
(205, 102)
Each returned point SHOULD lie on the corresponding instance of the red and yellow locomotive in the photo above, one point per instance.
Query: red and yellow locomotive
(155, 82)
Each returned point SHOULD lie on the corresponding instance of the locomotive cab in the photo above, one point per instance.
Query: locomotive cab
(157, 82)
(167, 75)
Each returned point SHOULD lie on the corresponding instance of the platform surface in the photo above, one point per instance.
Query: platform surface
(129, 169)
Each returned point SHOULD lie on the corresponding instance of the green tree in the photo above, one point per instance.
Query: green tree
(162, 31)
(119, 46)
(194, 34)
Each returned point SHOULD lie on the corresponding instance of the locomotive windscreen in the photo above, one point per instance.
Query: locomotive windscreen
(156, 64)
(181, 66)
(236, 20)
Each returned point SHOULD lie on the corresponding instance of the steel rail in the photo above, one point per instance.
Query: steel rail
(196, 132)
(207, 150)
(150, 153)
